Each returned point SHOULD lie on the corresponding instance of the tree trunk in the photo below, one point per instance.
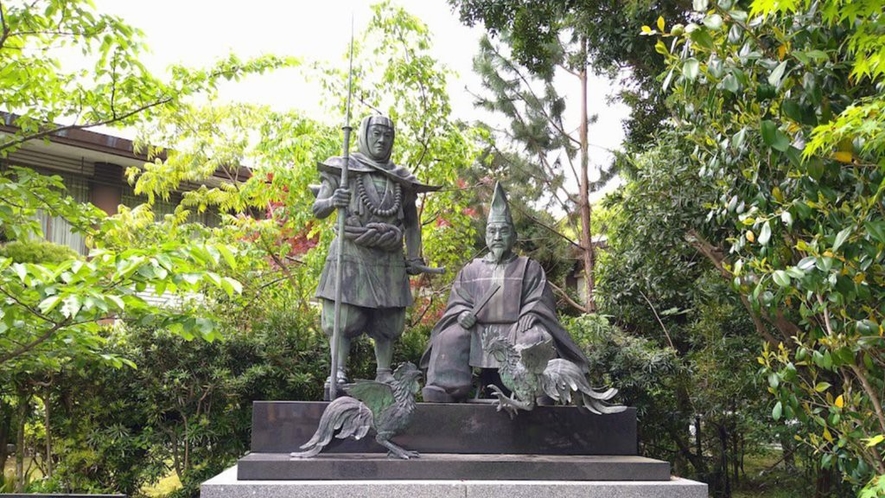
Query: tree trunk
(5, 426)
(584, 198)
(697, 461)
(23, 401)
(47, 458)
(723, 461)
(176, 460)
(735, 457)
(681, 437)
(823, 483)
(788, 448)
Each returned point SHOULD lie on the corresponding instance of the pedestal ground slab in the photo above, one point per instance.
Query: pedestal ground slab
(226, 485)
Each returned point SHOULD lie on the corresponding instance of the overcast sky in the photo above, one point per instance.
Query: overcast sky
(197, 32)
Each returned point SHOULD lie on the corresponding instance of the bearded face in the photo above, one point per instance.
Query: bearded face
(500, 238)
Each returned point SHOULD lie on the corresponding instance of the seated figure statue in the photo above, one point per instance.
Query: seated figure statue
(502, 294)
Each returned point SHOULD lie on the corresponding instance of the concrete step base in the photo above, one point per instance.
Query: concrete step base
(226, 485)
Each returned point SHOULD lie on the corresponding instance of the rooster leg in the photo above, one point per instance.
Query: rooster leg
(395, 451)
(510, 405)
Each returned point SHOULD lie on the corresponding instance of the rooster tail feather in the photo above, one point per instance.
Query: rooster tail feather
(600, 407)
(561, 378)
(601, 395)
(346, 415)
(312, 452)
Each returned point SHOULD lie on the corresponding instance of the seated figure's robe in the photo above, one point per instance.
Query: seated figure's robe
(523, 309)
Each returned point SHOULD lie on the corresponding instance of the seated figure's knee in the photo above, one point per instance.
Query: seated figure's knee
(452, 338)
(449, 374)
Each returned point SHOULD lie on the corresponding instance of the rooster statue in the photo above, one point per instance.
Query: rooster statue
(531, 370)
(385, 407)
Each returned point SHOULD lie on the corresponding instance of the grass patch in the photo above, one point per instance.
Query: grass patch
(32, 472)
(766, 476)
(166, 485)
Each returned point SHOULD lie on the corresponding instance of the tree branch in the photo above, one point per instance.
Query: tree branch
(55, 212)
(424, 124)
(26, 306)
(4, 27)
(31, 345)
(871, 392)
(658, 318)
(567, 298)
(716, 258)
(282, 264)
(548, 227)
(528, 86)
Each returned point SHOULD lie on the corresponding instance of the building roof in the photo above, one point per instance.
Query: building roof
(76, 150)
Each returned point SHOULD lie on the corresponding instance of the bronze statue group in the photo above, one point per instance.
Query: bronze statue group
(500, 318)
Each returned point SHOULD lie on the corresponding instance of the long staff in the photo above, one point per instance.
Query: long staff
(342, 215)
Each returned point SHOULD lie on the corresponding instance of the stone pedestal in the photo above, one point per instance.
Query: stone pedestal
(283, 426)
(466, 450)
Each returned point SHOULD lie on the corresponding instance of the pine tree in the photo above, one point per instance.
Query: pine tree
(544, 158)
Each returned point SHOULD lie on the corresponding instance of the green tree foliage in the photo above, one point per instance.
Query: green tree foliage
(64, 62)
(779, 103)
(393, 74)
(537, 33)
(546, 43)
(657, 287)
(22, 385)
(53, 308)
(54, 302)
(188, 404)
(673, 390)
(66, 66)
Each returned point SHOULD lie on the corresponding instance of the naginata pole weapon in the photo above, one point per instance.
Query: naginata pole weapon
(342, 216)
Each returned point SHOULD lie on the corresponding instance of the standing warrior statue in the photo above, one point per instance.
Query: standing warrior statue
(379, 201)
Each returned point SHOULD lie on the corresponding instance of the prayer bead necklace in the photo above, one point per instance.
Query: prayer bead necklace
(376, 210)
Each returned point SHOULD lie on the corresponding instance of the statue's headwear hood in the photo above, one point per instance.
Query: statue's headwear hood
(363, 144)
(499, 212)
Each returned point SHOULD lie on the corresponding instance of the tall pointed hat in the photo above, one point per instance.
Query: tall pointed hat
(499, 212)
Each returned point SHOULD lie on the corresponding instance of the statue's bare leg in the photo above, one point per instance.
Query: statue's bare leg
(343, 356)
(383, 358)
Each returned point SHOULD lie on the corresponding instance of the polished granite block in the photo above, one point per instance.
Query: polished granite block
(226, 485)
(362, 466)
(468, 428)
